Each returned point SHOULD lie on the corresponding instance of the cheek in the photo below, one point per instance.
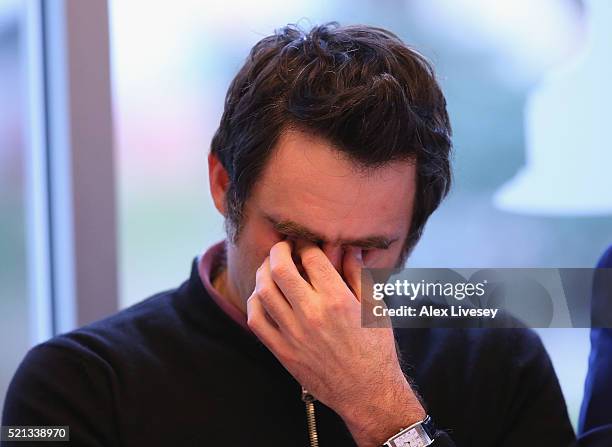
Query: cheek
(253, 246)
(263, 235)
(257, 238)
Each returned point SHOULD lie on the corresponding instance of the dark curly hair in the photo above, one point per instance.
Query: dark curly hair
(360, 87)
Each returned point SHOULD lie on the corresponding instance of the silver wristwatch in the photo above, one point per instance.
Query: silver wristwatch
(419, 434)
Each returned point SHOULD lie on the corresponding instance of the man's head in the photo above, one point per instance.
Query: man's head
(339, 135)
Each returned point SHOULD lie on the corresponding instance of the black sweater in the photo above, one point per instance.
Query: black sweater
(175, 370)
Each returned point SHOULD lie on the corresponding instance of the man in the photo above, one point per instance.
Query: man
(595, 424)
(332, 152)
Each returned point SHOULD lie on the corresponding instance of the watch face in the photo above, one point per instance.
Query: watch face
(414, 437)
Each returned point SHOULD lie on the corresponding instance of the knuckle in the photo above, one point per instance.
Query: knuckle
(252, 321)
(325, 268)
(287, 356)
(279, 271)
(310, 259)
(251, 299)
(337, 306)
(325, 271)
(263, 292)
(298, 340)
(298, 293)
(298, 335)
(314, 320)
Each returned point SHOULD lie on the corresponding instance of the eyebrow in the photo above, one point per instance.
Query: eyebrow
(295, 230)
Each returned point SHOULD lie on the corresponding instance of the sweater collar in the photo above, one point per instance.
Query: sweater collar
(209, 264)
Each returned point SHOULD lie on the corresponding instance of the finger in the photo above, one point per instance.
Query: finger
(262, 325)
(321, 272)
(272, 299)
(286, 275)
(352, 263)
(369, 318)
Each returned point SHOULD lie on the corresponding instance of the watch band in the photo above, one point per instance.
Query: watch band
(419, 434)
(428, 425)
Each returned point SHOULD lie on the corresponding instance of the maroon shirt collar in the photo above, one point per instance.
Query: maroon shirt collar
(209, 265)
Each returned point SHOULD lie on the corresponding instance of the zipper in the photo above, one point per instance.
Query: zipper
(311, 420)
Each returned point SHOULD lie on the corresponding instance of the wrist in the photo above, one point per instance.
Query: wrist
(419, 434)
(378, 417)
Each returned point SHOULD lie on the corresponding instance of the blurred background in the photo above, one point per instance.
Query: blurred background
(526, 83)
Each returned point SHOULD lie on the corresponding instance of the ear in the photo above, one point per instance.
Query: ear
(219, 182)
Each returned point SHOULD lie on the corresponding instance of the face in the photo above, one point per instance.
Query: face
(308, 190)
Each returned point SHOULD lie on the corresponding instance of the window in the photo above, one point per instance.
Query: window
(14, 308)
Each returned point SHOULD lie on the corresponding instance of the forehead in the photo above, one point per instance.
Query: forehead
(308, 181)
